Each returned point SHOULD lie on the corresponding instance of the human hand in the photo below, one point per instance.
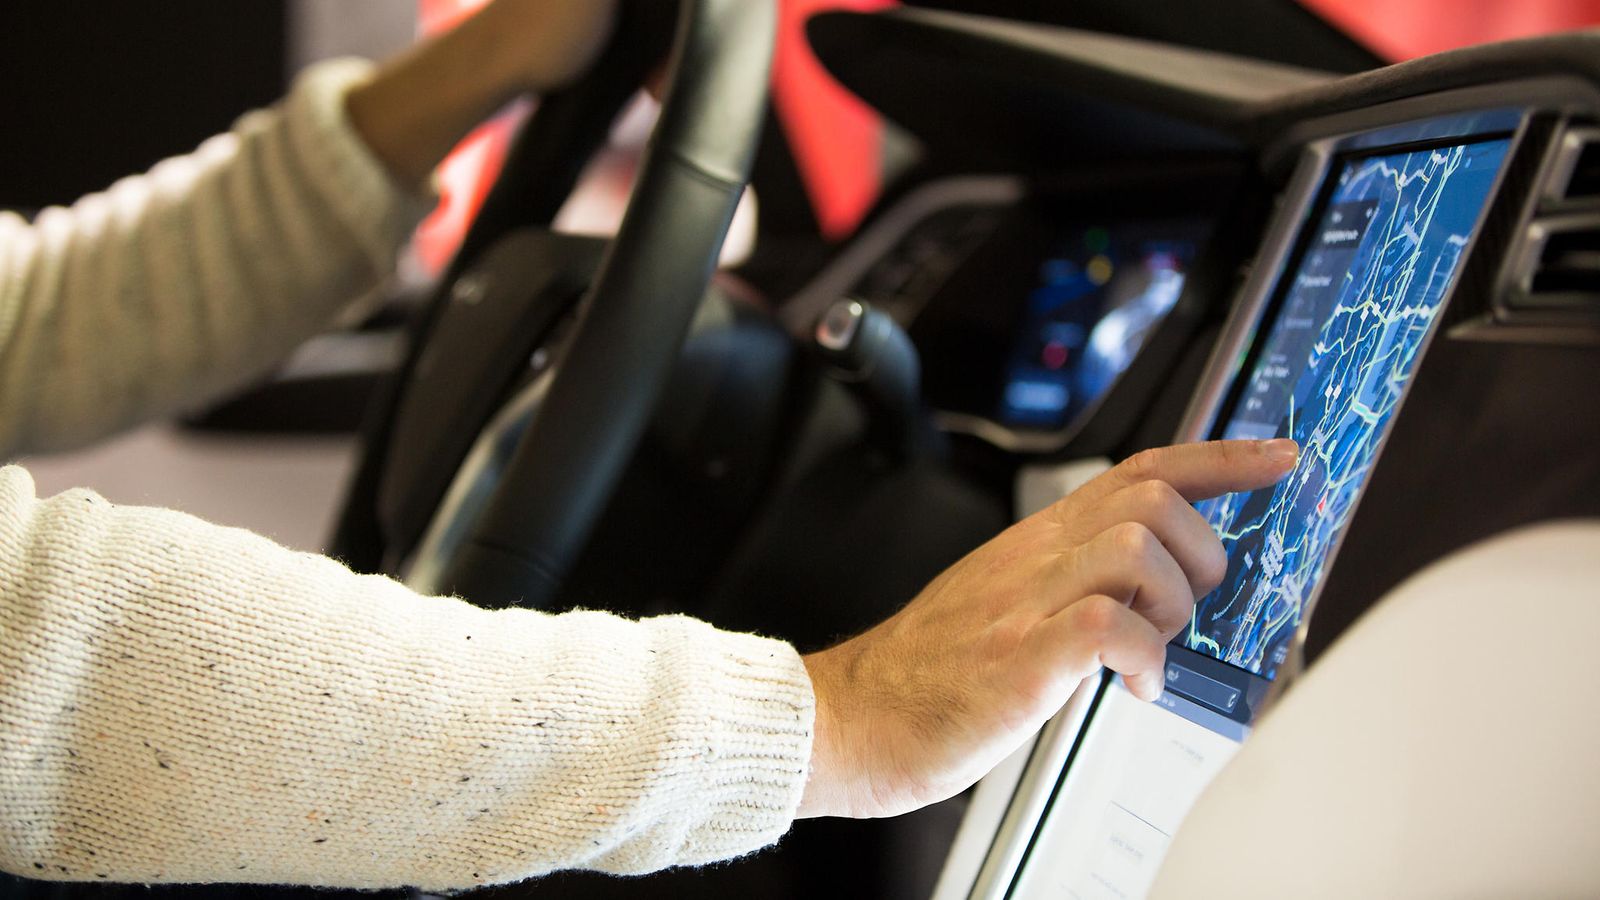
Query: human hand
(922, 706)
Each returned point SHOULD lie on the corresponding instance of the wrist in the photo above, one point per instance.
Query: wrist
(827, 781)
(816, 799)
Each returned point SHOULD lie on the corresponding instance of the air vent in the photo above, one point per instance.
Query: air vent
(1585, 180)
(1575, 176)
(1563, 266)
(1570, 262)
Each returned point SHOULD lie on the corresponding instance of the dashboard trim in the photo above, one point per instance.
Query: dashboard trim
(1265, 274)
(1048, 762)
(1011, 439)
(801, 311)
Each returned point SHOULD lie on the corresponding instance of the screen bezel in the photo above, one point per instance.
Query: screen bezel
(1306, 197)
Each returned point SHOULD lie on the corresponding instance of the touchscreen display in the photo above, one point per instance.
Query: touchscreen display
(1357, 310)
(1093, 304)
(1358, 304)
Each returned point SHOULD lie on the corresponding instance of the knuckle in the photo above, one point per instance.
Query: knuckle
(1010, 633)
(1096, 617)
(1135, 542)
(1157, 497)
(1143, 466)
(1231, 454)
(1007, 635)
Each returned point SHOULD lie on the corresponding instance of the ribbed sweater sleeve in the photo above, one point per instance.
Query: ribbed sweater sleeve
(181, 702)
(175, 286)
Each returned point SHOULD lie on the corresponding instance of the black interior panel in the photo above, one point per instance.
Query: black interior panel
(97, 91)
(993, 94)
(1270, 30)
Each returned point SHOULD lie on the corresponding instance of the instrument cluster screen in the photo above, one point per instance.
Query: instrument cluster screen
(1095, 301)
(1355, 315)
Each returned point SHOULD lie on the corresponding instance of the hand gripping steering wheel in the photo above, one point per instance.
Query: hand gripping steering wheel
(561, 438)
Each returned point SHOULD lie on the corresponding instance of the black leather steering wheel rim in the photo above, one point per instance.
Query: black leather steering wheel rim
(632, 320)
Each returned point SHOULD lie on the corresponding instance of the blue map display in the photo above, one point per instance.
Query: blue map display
(1361, 304)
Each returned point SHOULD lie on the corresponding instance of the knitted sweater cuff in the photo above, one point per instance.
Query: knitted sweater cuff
(756, 710)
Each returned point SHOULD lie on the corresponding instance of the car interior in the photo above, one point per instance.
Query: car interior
(1102, 227)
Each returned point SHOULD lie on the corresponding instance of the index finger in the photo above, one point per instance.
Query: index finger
(1200, 471)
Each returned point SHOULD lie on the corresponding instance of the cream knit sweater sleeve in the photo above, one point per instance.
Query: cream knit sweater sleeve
(174, 286)
(181, 702)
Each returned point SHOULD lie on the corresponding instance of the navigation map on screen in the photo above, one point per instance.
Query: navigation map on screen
(1361, 304)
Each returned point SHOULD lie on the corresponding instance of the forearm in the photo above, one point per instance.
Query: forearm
(181, 702)
(424, 101)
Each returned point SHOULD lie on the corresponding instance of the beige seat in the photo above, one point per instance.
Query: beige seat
(1447, 746)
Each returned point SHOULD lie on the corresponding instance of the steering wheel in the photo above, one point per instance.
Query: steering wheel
(601, 322)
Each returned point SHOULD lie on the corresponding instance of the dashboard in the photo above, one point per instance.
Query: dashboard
(1415, 312)
(1028, 300)
(1072, 291)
